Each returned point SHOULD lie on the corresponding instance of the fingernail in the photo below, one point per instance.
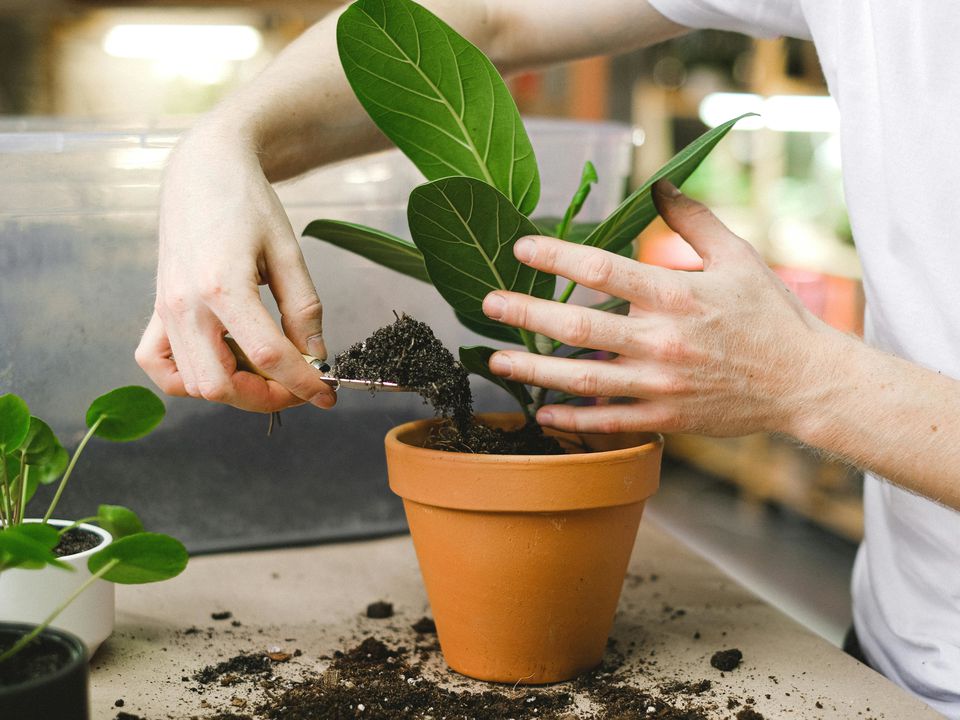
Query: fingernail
(544, 417)
(524, 249)
(324, 400)
(666, 188)
(494, 305)
(316, 347)
(500, 364)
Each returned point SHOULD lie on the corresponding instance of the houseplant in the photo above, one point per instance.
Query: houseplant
(47, 571)
(522, 557)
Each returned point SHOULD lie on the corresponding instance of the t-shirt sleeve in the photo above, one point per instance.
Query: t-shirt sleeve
(759, 18)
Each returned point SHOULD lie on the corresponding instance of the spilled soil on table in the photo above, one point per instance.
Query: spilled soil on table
(408, 353)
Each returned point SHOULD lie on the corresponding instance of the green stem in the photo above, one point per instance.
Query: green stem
(5, 511)
(529, 341)
(73, 462)
(26, 639)
(567, 292)
(76, 523)
(540, 397)
(21, 509)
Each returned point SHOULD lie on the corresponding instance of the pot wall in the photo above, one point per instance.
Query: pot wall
(61, 695)
(29, 596)
(523, 557)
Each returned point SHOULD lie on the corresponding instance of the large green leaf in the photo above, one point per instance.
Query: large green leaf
(127, 413)
(491, 329)
(29, 546)
(41, 445)
(466, 230)
(577, 231)
(14, 422)
(437, 97)
(476, 359)
(141, 558)
(383, 248)
(638, 210)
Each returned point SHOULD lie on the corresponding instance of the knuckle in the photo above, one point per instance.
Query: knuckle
(672, 349)
(310, 307)
(191, 389)
(549, 251)
(597, 269)
(213, 289)
(576, 329)
(266, 357)
(214, 391)
(176, 303)
(677, 297)
(585, 383)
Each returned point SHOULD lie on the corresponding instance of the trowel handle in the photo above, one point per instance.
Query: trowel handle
(243, 363)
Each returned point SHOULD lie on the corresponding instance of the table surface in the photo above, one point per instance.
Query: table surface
(314, 599)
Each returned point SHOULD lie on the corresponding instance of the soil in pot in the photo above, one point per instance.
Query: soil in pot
(41, 658)
(408, 353)
(75, 541)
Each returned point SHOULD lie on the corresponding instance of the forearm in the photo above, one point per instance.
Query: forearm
(301, 112)
(883, 414)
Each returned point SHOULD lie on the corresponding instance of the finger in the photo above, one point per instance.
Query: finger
(693, 221)
(639, 416)
(155, 356)
(301, 313)
(601, 270)
(570, 324)
(267, 348)
(589, 378)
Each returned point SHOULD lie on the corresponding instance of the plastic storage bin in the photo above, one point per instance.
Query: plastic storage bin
(77, 264)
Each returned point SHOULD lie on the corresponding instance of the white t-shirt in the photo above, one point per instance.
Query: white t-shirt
(893, 67)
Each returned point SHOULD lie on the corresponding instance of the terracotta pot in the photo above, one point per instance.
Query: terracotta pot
(29, 596)
(523, 557)
(60, 693)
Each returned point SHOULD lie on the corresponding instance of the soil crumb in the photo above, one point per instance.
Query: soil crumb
(380, 610)
(225, 615)
(749, 714)
(408, 353)
(425, 626)
(247, 664)
(726, 660)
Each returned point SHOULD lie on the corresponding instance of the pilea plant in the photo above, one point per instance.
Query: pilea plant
(32, 455)
(443, 103)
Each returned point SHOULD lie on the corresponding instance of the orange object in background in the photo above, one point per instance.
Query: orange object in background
(836, 300)
(523, 557)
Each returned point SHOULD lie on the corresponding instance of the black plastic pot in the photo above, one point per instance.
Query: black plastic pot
(58, 693)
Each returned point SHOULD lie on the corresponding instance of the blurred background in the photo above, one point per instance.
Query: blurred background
(93, 94)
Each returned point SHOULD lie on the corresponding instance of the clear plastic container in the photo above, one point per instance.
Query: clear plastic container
(78, 222)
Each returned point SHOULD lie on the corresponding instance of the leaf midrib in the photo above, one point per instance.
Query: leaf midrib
(473, 149)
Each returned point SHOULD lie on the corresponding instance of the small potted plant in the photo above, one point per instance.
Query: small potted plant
(523, 556)
(61, 571)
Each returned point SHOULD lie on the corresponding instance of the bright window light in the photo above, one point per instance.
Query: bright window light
(183, 43)
(785, 113)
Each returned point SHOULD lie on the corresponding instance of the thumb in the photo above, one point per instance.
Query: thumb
(694, 222)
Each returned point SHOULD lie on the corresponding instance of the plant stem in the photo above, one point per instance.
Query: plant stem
(567, 292)
(26, 639)
(5, 510)
(540, 397)
(21, 509)
(73, 462)
(529, 341)
(76, 523)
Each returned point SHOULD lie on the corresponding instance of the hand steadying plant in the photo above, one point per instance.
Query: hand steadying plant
(724, 352)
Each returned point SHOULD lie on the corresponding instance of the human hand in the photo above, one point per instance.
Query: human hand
(728, 351)
(223, 232)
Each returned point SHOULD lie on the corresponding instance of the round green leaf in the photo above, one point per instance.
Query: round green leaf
(29, 546)
(128, 413)
(41, 444)
(14, 422)
(118, 521)
(141, 558)
(52, 467)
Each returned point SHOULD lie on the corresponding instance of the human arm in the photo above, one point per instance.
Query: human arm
(223, 231)
(730, 351)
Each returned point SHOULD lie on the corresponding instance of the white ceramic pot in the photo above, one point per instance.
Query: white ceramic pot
(29, 596)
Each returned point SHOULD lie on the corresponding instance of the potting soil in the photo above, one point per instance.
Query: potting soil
(408, 353)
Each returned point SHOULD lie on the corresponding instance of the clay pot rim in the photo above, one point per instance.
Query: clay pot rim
(653, 443)
(77, 655)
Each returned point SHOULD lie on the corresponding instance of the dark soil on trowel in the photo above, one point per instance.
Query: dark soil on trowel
(408, 353)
